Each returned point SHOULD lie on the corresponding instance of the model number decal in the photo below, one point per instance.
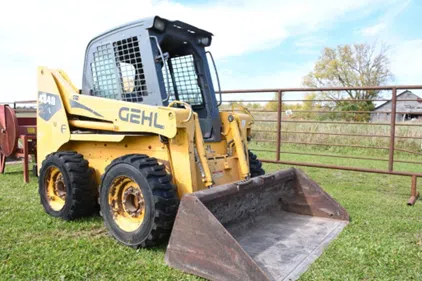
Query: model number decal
(48, 105)
(45, 98)
(137, 116)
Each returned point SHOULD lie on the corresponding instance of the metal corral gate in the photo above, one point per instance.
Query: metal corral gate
(281, 119)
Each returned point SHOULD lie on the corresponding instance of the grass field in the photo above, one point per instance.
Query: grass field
(382, 242)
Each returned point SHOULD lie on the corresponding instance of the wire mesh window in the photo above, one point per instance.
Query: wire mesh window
(103, 73)
(131, 72)
(183, 83)
(118, 70)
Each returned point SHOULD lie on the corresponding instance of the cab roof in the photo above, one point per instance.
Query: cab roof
(148, 23)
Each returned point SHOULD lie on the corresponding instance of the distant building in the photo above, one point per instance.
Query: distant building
(407, 110)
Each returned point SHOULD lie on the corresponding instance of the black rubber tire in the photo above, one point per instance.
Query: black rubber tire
(255, 166)
(161, 200)
(81, 192)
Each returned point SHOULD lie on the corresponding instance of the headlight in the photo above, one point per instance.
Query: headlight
(159, 24)
(204, 41)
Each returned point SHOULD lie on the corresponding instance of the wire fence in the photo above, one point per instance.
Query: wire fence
(386, 132)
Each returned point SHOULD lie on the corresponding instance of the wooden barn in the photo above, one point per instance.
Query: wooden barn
(406, 110)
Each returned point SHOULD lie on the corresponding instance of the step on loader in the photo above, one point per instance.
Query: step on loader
(144, 141)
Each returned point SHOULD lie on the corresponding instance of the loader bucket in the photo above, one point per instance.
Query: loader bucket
(268, 228)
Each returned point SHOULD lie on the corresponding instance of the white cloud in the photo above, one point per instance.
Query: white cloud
(309, 45)
(309, 41)
(386, 19)
(373, 29)
(46, 32)
(407, 62)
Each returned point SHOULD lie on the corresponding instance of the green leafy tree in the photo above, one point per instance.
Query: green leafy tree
(356, 65)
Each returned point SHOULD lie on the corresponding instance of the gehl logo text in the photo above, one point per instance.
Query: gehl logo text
(137, 116)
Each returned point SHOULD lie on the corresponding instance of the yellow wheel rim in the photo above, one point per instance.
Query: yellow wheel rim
(55, 188)
(127, 203)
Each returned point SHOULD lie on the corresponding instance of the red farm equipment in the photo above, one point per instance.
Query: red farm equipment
(17, 135)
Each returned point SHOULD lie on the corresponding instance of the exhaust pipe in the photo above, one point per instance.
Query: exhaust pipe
(267, 228)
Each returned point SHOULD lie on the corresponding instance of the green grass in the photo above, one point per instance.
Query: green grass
(382, 242)
(35, 246)
(341, 152)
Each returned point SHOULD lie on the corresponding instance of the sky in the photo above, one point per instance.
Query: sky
(257, 43)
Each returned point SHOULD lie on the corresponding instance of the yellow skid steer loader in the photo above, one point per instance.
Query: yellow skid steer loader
(144, 141)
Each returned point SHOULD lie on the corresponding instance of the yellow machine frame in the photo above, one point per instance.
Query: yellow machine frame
(103, 129)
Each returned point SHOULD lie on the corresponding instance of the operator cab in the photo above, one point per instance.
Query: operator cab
(155, 61)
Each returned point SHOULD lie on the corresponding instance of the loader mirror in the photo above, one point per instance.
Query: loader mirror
(164, 60)
(216, 76)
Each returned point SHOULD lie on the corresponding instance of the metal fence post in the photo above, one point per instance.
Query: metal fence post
(279, 119)
(392, 129)
(414, 194)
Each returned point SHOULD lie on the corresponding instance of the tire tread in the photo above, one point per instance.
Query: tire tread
(166, 201)
(82, 191)
(255, 165)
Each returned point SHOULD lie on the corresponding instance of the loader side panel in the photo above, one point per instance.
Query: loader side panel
(123, 116)
(100, 153)
(52, 124)
(186, 177)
